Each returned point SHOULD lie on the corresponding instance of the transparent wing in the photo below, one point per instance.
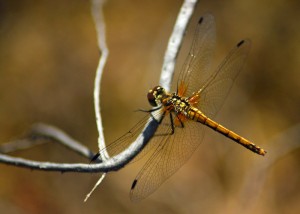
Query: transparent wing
(196, 68)
(215, 90)
(171, 153)
(125, 140)
(199, 59)
(173, 150)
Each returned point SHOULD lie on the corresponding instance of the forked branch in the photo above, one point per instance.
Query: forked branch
(119, 161)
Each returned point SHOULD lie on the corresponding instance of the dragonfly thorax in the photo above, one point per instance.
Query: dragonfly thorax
(178, 104)
(156, 95)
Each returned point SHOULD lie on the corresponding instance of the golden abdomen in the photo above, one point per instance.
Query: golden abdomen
(196, 115)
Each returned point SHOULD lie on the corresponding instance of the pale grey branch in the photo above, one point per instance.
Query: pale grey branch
(119, 161)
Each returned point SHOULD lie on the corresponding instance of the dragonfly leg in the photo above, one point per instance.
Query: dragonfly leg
(172, 124)
(150, 110)
(181, 123)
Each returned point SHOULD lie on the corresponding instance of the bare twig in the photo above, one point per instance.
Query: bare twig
(18, 145)
(58, 135)
(123, 158)
(41, 132)
(168, 69)
(111, 164)
(175, 42)
(106, 166)
(97, 6)
(96, 185)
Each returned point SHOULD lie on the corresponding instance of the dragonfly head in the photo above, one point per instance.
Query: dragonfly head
(156, 95)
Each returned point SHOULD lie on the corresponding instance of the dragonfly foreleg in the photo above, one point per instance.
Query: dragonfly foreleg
(150, 110)
(172, 124)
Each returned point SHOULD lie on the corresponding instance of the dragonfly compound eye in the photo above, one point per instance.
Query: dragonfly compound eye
(155, 95)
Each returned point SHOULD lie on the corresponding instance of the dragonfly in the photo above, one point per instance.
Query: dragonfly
(186, 113)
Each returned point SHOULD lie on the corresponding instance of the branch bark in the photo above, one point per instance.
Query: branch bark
(119, 161)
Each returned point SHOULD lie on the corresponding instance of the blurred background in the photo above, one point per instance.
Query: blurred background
(48, 58)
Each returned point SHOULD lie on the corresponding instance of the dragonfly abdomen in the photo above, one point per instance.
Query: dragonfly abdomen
(198, 116)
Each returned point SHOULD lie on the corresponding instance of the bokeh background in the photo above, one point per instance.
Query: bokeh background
(48, 58)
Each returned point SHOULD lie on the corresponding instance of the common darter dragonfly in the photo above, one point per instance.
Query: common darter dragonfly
(187, 112)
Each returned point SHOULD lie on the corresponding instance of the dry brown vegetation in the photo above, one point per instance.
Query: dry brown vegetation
(48, 58)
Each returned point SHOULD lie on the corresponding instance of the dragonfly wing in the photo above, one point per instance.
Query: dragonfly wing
(125, 140)
(217, 87)
(196, 68)
(171, 153)
(128, 138)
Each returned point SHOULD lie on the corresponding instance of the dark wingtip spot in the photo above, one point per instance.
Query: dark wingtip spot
(133, 184)
(95, 157)
(240, 43)
(200, 20)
